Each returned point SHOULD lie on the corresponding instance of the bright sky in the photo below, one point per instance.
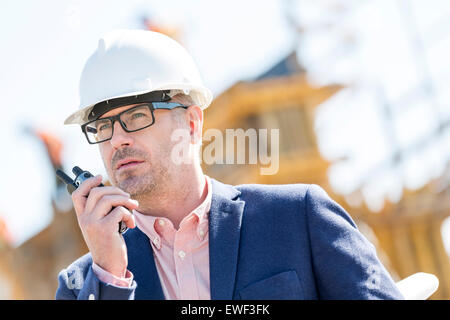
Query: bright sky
(45, 45)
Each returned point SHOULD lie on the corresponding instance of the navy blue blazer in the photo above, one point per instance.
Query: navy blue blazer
(265, 242)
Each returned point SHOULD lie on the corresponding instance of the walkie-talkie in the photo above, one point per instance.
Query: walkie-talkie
(80, 176)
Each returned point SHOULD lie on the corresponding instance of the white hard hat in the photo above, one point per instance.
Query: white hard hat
(130, 63)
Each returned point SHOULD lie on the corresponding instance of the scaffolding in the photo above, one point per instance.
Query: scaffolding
(345, 42)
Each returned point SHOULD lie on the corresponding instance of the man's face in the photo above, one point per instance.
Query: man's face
(138, 162)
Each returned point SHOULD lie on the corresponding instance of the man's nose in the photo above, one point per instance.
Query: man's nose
(120, 137)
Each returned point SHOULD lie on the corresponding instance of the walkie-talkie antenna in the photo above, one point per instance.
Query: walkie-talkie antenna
(71, 186)
(77, 171)
(64, 177)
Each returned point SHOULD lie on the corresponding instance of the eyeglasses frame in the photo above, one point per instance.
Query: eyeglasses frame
(151, 105)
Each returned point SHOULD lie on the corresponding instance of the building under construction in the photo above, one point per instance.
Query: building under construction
(407, 233)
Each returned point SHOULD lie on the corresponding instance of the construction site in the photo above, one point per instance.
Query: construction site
(312, 98)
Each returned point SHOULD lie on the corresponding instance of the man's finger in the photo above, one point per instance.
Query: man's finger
(106, 204)
(97, 193)
(120, 214)
(79, 196)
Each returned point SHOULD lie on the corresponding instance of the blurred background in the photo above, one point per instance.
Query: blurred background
(358, 89)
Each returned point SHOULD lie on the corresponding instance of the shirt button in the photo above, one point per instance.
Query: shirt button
(181, 254)
(156, 242)
(201, 232)
(91, 296)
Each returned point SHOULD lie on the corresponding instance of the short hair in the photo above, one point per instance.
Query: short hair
(182, 98)
(178, 113)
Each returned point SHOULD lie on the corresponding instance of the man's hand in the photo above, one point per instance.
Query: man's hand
(99, 224)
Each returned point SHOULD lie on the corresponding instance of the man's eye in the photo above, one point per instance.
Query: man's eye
(104, 127)
(138, 115)
(91, 130)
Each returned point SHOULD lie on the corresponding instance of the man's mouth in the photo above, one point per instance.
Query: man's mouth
(128, 163)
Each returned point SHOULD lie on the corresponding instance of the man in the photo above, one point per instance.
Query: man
(190, 236)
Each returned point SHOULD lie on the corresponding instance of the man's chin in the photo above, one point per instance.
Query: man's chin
(135, 185)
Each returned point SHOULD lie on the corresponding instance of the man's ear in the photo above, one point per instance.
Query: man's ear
(194, 116)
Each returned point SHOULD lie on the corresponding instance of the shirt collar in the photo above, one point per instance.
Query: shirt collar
(147, 223)
(203, 209)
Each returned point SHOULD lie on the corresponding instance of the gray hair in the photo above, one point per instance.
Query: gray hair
(179, 113)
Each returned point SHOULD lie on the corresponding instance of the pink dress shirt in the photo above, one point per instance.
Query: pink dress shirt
(181, 256)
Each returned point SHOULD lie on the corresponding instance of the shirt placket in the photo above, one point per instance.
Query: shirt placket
(184, 264)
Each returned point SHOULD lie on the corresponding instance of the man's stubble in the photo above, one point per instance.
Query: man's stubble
(153, 180)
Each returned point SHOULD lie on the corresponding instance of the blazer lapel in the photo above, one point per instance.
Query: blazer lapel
(142, 264)
(225, 219)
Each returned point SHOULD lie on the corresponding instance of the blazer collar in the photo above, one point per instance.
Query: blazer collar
(142, 264)
(225, 220)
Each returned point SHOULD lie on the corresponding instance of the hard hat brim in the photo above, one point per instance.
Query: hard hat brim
(201, 96)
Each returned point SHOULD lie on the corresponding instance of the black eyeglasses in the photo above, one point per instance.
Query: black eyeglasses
(131, 120)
